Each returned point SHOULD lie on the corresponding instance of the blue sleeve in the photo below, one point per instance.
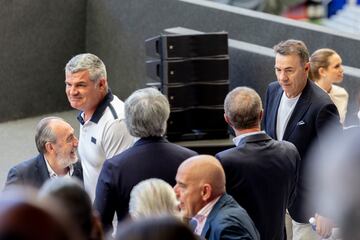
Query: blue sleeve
(105, 197)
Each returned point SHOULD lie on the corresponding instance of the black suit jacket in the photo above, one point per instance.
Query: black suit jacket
(152, 157)
(34, 173)
(228, 221)
(261, 174)
(313, 113)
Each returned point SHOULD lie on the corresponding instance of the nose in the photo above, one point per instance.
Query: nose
(76, 142)
(176, 190)
(282, 76)
(72, 90)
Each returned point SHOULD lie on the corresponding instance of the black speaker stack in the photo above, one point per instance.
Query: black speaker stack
(193, 72)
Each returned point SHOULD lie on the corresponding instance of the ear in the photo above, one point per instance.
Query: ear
(49, 147)
(307, 67)
(261, 114)
(206, 192)
(322, 72)
(102, 83)
(227, 120)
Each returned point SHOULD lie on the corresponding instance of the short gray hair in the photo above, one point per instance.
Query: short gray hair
(89, 62)
(44, 133)
(243, 106)
(293, 46)
(152, 197)
(146, 113)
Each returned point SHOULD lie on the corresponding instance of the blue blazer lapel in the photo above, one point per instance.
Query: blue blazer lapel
(212, 215)
(300, 109)
(41, 172)
(273, 114)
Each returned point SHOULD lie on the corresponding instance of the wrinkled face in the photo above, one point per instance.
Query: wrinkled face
(334, 72)
(291, 74)
(82, 93)
(188, 193)
(66, 144)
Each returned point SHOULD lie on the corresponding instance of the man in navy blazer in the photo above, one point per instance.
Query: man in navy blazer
(297, 111)
(200, 189)
(152, 156)
(57, 144)
(261, 173)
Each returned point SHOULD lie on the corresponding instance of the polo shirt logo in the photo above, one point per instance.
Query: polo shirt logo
(93, 140)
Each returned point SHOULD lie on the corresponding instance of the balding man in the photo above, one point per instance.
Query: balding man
(57, 145)
(200, 188)
(261, 173)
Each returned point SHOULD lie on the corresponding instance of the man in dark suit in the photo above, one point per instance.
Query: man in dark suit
(200, 189)
(152, 156)
(297, 111)
(261, 173)
(57, 144)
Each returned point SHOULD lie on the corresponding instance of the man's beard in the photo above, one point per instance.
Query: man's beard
(66, 161)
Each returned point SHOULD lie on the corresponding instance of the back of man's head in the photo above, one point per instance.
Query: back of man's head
(146, 113)
(243, 108)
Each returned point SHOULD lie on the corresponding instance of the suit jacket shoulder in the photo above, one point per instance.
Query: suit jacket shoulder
(227, 220)
(32, 172)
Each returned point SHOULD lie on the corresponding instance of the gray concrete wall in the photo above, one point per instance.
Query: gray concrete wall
(37, 38)
(116, 31)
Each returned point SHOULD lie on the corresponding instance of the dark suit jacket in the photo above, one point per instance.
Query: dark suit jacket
(261, 174)
(313, 113)
(152, 157)
(228, 221)
(34, 172)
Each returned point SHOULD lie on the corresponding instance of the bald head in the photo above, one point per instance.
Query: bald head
(199, 180)
(205, 169)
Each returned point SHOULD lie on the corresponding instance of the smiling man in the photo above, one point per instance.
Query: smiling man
(103, 133)
(57, 144)
(296, 110)
(200, 189)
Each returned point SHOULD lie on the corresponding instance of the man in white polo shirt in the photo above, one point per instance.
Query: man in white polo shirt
(103, 133)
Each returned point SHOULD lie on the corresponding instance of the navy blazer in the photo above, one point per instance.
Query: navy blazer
(152, 157)
(34, 173)
(313, 113)
(261, 175)
(228, 221)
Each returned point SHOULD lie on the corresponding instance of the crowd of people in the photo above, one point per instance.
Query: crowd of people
(123, 179)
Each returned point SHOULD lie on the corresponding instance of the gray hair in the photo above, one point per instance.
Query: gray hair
(146, 113)
(243, 106)
(152, 197)
(90, 62)
(292, 46)
(44, 133)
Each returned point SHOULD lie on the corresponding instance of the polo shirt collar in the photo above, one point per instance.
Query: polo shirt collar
(99, 110)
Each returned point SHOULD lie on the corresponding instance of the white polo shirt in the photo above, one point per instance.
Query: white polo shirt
(102, 137)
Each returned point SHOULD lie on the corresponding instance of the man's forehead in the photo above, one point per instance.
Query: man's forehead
(287, 60)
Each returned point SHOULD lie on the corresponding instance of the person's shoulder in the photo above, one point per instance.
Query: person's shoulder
(225, 154)
(273, 85)
(24, 165)
(339, 91)
(182, 149)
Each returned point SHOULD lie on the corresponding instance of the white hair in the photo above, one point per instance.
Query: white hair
(153, 197)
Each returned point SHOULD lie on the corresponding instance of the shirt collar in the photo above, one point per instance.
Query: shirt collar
(52, 173)
(99, 110)
(202, 215)
(238, 139)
